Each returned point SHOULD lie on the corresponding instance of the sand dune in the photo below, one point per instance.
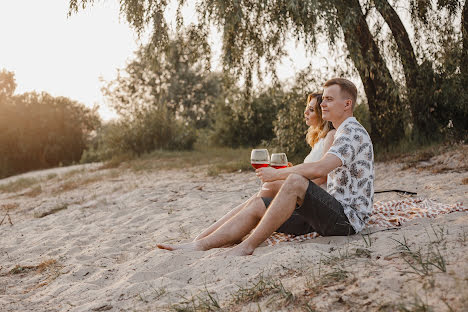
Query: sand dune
(85, 239)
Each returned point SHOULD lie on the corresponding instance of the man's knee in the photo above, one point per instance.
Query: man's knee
(296, 183)
(271, 188)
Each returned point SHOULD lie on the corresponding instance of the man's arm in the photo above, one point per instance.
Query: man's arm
(310, 171)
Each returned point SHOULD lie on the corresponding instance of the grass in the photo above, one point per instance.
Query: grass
(417, 305)
(41, 267)
(8, 207)
(185, 234)
(51, 176)
(35, 191)
(337, 274)
(422, 262)
(367, 239)
(410, 153)
(24, 183)
(51, 211)
(203, 302)
(413, 150)
(218, 159)
(72, 173)
(153, 294)
(337, 258)
(18, 185)
(74, 184)
(263, 287)
(256, 291)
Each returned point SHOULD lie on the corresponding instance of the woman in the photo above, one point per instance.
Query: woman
(320, 138)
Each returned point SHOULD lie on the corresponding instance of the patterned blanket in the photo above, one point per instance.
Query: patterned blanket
(391, 213)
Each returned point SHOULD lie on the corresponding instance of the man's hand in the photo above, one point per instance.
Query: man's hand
(267, 174)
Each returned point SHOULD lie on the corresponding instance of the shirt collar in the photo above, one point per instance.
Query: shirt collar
(347, 120)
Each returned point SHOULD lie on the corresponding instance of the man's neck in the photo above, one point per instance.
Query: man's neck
(337, 123)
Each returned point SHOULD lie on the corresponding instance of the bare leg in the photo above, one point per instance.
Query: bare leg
(269, 189)
(223, 220)
(230, 232)
(292, 192)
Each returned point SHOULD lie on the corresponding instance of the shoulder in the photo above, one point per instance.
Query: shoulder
(331, 133)
(330, 136)
(356, 127)
(329, 139)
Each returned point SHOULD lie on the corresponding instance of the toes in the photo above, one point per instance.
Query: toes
(162, 246)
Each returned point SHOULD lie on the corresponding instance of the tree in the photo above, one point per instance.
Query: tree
(38, 130)
(257, 30)
(7, 85)
(464, 30)
(415, 83)
(172, 78)
(443, 43)
(382, 95)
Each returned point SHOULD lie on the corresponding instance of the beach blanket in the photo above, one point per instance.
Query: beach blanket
(387, 214)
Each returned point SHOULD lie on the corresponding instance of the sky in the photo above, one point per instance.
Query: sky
(64, 56)
(68, 56)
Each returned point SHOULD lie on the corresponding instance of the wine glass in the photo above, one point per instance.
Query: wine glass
(279, 160)
(259, 158)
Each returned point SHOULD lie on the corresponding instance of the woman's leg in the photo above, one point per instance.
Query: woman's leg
(230, 232)
(221, 221)
(269, 189)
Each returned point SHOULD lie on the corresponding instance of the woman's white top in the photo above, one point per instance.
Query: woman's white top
(316, 154)
(317, 151)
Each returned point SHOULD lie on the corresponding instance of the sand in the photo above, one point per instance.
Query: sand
(84, 239)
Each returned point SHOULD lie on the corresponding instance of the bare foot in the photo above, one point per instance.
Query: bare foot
(192, 246)
(238, 250)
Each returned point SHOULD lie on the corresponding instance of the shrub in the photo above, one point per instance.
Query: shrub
(148, 131)
(290, 128)
(39, 131)
(246, 121)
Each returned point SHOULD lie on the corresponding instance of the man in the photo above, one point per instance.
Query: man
(341, 210)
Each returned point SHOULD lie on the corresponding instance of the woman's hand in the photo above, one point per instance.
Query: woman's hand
(267, 174)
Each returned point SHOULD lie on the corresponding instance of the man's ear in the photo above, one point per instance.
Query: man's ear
(349, 104)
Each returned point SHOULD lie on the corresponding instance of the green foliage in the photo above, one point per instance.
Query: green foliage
(38, 130)
(254, 34)
(174, 80)
(361, 112)
(150, 130)
(246, 121)
(290, 128)
(164, 96)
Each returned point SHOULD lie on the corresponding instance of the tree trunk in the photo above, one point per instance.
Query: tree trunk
(417, 90)
(464, 27)
(382, 95)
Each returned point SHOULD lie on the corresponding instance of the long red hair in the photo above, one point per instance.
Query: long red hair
(314, 134)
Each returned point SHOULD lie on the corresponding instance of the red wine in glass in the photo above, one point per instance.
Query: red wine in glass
(279, 167)
(260, 158)
(257, 165)
(279, 160)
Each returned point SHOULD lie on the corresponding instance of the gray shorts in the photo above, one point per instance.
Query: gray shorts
(320, 212)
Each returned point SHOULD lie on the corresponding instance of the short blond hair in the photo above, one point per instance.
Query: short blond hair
(346, 86)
